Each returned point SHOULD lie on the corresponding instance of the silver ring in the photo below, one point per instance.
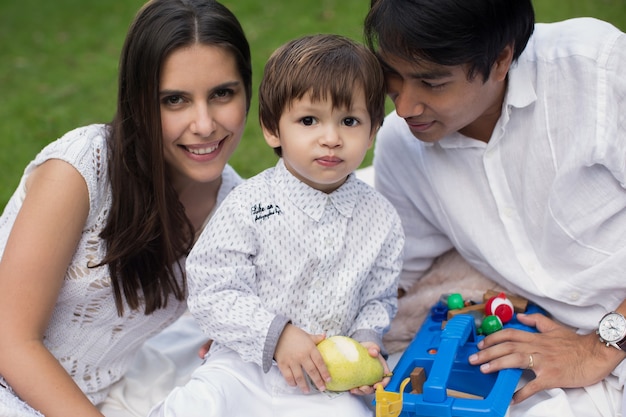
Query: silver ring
(531, 363)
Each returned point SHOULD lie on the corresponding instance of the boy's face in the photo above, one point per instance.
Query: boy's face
(437, 100)
(322, 145)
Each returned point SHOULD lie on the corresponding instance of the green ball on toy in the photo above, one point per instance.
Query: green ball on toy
(490, 324)
(455, 301)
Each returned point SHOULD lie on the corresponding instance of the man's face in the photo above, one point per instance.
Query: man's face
(437, 100)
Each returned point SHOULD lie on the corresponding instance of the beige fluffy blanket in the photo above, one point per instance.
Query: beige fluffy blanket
(450, 273)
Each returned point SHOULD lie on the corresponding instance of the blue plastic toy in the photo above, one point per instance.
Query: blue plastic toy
(443, 356)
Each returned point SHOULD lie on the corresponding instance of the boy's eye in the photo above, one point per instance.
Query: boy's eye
(350, 121)
(307, 120)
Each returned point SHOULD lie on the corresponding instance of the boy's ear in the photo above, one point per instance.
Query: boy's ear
(373, 137)
(271, 138)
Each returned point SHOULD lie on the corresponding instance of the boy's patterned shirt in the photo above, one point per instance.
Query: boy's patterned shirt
(278, 250)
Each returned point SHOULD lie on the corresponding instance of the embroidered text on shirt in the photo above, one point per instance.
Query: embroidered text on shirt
(262, 212)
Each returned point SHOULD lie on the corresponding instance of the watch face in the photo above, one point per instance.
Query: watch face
(612, 327)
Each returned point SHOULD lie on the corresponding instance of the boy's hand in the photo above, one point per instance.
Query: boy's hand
(204, 349)
(374, 351)
(296, 353)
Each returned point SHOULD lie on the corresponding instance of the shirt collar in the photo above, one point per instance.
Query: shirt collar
(520, 86)
(313, 202)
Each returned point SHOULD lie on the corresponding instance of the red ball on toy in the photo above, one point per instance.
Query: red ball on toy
(500, 306)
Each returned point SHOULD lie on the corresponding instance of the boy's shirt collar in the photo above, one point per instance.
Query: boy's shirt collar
(313, 202)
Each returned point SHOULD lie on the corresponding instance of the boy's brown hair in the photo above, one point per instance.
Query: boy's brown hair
(327, 67)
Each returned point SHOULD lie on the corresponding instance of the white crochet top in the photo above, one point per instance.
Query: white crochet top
(85, 333)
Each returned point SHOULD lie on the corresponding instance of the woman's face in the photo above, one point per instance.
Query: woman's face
(203, 112)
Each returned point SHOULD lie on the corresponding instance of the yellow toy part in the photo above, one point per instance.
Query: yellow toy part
(389, 404)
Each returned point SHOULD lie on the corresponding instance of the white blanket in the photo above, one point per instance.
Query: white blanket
(165, 361)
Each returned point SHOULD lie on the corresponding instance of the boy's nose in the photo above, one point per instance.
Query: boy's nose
(331, 137)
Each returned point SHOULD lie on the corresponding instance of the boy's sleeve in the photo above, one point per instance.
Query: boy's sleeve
(222, 290)
(380, 293)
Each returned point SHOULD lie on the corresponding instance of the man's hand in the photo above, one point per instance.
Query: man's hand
(560, 357)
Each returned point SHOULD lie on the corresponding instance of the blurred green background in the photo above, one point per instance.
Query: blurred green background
(58, 63)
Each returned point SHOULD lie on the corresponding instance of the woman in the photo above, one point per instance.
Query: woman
(93, 241)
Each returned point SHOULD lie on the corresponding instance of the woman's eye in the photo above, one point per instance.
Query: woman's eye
(173, 100)
(224, 92)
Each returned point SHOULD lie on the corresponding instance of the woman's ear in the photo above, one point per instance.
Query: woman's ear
(272, 139)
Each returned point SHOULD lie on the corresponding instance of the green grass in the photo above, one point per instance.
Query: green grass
(59, 63)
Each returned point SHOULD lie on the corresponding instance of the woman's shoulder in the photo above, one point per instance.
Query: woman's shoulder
(85, 148)
(256, 183)
(245, 191)
(230, 180)
(73, 146)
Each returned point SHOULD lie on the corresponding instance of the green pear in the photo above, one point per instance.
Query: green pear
(349, 363)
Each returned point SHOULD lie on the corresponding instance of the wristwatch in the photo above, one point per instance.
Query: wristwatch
(612, 330)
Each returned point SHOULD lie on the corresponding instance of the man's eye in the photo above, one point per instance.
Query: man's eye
(434, 86)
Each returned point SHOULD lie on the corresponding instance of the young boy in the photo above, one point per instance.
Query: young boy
(299, 252)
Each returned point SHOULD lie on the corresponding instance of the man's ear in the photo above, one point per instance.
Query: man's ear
(503, 63)
(272, 139)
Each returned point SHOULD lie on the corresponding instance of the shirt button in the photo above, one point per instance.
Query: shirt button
(574, 296)
(328, 241)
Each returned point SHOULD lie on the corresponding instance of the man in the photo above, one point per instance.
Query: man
(508, 143)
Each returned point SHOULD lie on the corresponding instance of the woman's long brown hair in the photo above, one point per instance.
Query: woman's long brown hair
(148, 233)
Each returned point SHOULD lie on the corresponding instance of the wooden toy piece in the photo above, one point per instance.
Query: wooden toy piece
(418, 377)
(520, 304)
(460, 394)
(465, 310)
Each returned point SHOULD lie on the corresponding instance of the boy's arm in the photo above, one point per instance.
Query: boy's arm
(379, 294)
(223, 295)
